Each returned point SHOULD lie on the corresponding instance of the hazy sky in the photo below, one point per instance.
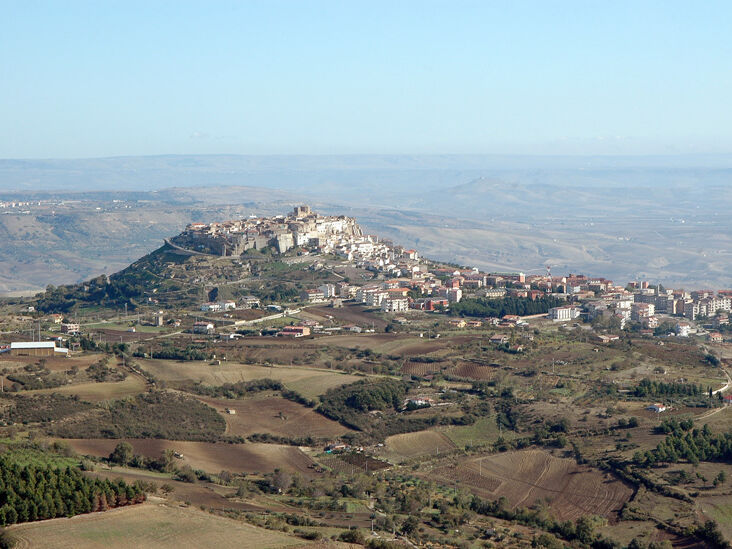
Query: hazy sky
(82, 79)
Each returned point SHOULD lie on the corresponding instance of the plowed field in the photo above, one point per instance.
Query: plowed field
(274, 415)
(410, 445)
(525, 477)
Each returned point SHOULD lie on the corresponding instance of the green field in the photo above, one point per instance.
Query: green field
(483, 431)
(124, 326)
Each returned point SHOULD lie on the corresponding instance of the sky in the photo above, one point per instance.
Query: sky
(114, 78)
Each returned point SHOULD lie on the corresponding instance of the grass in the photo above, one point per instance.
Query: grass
(483, 431)
(96, 392)
(25, 453)
(309, 382)
(149, 525)
(123, 327)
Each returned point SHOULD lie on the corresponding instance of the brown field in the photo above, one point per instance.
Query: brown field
(209, 456)
(397, 344)
(275, 415)
(422, 443)
(471, 370)
(149, 525)
(527, 476)
(309, 382)
(349, 314)
(423, 368)
(349, 463)
(55, 364)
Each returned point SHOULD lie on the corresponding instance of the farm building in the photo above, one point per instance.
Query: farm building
(657, 407)
(37, 348)
(203, 327)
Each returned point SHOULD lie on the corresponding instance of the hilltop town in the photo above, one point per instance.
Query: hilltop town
(301, 227)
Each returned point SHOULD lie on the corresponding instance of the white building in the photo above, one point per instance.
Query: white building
(329, 290)
(563, 314)
(395, 305)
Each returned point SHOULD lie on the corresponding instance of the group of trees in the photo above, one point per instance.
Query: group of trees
(683, 442)
(29, 493)
(522, 306)
(243, 388)
(648, 388)
(346, 404)
(168, 351)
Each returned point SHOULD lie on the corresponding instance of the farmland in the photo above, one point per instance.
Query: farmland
(209, 456)
(309, 382)
(529, 476)
(275, 415)
(423, 443)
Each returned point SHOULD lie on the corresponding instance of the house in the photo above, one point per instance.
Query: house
(657, 407)
(70, 328)
(499, 339)
(419, 402)
(727, 399)
(474, 323)
(203, 327)
(607, 338)
(682, 329)
(457, 322)
(37, 348)
(250, 302)
(312, 295)
(294, 331)
(715, 337)
(56, 318)
(210, 307)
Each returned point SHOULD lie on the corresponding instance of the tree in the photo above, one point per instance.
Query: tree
(122, 453)
(281, 480)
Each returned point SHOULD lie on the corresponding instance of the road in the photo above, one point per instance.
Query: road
(726, 386)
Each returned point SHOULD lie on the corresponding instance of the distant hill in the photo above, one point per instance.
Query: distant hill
(662, 218)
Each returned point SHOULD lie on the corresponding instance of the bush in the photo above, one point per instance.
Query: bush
(353, 536)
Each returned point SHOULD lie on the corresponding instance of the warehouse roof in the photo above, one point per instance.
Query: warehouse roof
(38, 345)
